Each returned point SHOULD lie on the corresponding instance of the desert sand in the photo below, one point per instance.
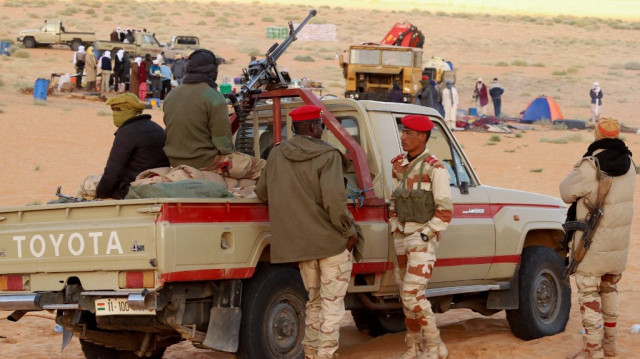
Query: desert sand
(60, 142)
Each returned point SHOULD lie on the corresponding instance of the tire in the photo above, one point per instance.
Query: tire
(75, 44)
(29, 42)
(544, 301)
(273, 307)
(379, 323)
(96, 351)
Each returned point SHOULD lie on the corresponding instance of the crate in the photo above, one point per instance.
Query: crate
(277, 32)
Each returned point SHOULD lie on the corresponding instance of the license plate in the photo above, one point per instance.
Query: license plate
(118, 306)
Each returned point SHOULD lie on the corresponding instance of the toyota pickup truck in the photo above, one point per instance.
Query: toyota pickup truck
(132, 277)
(180, 45)
(145, 43)
(53, 32)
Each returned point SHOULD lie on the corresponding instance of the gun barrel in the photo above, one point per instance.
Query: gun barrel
(283, 47)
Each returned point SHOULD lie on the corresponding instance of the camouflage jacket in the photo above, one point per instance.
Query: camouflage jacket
(435, 178)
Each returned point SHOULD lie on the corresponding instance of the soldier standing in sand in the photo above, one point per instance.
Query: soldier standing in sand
(601, 268)
(416, 227)
(310, 224)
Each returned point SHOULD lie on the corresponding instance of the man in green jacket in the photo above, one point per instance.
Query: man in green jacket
(310, 224)
(196, 115)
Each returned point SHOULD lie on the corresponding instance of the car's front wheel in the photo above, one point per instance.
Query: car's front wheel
(29, 42)
(544, 301)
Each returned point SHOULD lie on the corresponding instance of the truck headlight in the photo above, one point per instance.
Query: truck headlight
(350, 95)
(357, 95)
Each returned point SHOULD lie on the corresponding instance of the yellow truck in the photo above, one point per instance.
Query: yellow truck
(371, 69)
(131, 277)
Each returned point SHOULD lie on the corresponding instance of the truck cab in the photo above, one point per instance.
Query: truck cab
(180, 45)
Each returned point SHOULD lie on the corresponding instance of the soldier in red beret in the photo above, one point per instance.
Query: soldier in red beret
(416, 227)
(310, 224)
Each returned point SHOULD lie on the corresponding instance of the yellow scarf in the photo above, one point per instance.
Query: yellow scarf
(124, 107)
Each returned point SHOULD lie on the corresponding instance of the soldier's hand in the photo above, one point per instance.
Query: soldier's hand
(351, 243)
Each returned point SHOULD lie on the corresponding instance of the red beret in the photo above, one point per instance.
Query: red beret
(305, 113)
(420, 123)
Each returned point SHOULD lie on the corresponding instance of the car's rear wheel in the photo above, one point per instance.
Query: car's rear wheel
(544, 302)
(273, 308)
(29, 42)
(75, 44)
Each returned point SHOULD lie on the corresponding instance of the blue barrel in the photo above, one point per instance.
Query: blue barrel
(40, 89)
(4, 48)
(473, 111)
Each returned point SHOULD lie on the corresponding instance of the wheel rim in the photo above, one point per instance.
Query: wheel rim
(285, 324)
(546, 296)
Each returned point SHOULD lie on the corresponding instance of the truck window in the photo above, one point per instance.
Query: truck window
(265, 141)
(50, 27)
(440, 147)
(351, 125)
(365, 57)
(148, 39)
(417, 59)
(397, 58)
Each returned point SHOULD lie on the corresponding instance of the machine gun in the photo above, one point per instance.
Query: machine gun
(63, 198)
(588, 227)
(262, 74)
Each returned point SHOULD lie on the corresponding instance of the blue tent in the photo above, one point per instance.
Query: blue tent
(542, 107)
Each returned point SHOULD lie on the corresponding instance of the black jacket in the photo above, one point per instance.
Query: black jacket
(137, 147)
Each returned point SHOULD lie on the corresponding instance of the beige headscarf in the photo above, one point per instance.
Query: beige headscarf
(607, 128)
(124, 107)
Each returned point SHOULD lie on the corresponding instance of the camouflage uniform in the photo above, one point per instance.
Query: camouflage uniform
(326, 280)
(416, 257)
(598, 301)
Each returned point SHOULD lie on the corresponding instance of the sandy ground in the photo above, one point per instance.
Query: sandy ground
(62, 141)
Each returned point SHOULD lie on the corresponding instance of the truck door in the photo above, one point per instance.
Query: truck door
(50, 34)
(467, 247)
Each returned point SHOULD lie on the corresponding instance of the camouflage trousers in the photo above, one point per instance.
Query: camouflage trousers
(327, 281)
(416, 259)
(598, 299)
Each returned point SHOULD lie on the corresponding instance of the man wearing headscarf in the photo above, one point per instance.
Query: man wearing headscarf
(114, 36)
(450, 102)
(437, 97)
(137, 146)
(78, 62)
(156, 78)
(133, 80)
(90, 62)
(481, 96)
(597, 275)
(179, 68)
(118, 70)
(596, 101)
(196, 115)
(142, 79)
(105, 71)
(424, 94)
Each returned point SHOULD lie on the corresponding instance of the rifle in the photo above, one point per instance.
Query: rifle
(588, 227)
(63, 198)
(261, 73)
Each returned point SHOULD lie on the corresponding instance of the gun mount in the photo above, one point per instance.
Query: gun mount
(260, 75)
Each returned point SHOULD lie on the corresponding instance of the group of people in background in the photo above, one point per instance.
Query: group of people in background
(124, 36)
(481, 97)
(124, 74)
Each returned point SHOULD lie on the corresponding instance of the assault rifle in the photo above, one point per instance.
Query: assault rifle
(262, 74)
(588, 227)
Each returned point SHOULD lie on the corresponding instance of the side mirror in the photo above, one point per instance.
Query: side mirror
(464, 187)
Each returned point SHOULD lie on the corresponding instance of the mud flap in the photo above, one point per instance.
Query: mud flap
(224, 329)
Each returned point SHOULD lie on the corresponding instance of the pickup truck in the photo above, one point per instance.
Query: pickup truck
(132, 277)
(53, 32)
(180, 45)
(145, 43)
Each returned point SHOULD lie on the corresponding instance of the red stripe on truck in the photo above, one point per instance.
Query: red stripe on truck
(490, 210)
(209, 274)
(448, 262)
(244, 212)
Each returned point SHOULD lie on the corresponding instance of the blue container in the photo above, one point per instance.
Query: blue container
(40, 89)
(473, 111)
(4, 48)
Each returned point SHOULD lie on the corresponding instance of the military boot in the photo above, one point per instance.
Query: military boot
(609, 341)
(591, 348)
(413, 341)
